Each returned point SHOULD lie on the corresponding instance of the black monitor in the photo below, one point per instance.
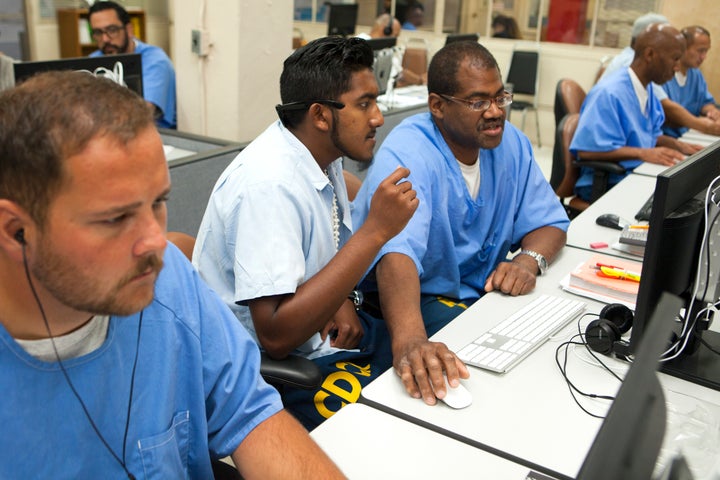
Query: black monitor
(342, 18)
(462, 37)
(131, 67)
(673, 262)
(382, 43)
(629, 440)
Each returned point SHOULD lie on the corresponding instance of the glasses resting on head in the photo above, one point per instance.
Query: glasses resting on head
(112, 31)
(481, 105)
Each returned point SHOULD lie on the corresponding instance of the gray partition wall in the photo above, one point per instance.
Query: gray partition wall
(195, 164)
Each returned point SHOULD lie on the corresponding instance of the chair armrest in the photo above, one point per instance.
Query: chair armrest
(293, 371)
(609, 167)
(601, 174)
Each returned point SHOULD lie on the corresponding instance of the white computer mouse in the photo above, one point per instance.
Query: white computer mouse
(457, 397)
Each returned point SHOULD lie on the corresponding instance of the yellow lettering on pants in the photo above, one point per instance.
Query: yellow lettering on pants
(330, 384)
(451, 304)
(357, 370)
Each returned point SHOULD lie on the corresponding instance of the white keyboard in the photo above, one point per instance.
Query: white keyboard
(503, 346)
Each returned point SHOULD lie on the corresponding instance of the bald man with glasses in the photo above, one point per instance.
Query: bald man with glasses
(481, 196)
(113, 32)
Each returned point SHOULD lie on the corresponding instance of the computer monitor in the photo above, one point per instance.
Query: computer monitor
(462, 37)
(628, 442)
(673, 262)
(131, 67)
(382, 43)
(382, 68)
(342, 18)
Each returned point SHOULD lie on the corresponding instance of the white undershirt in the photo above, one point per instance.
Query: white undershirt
(82, 341)
(680, 78)
(640, 91)
(471, 174)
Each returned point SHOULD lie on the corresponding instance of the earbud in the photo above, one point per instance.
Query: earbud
(604, 334)
(20, 236)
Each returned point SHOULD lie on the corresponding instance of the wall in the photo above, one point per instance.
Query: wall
(704, 13)
(231, 93)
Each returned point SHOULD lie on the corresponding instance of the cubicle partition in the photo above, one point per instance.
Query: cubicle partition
(195, 164)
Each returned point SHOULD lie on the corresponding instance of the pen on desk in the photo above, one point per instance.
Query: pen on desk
(639, 227)
(612, 271)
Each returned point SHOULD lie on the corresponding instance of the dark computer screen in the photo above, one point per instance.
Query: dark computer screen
(461, 37)
(382, 43)
(673, 263)
(342, 18)
(629, 440)
(131, 67)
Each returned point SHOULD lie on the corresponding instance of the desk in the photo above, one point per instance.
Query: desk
(624, 199)
(369, 444)
(527, 414)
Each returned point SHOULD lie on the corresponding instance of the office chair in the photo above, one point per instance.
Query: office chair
(292, 371)
(523, 75)
(569, 96)
(566, 169)
(414, 63)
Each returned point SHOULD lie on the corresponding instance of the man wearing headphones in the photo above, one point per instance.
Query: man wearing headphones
(116, 361)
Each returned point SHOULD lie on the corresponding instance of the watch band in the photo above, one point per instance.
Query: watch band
(357, 298)
(539, 258)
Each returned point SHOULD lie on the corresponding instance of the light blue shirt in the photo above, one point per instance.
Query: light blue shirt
(454, 239)
(197, 392)
(693, 96)
(623, 60)
(611, 118)
(158, 77)
(268, 227)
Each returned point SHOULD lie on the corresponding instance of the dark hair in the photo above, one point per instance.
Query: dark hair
(691, 32)
(51, 117)
(510, 27)
(122, 14)
(321, 70)
(444, 66)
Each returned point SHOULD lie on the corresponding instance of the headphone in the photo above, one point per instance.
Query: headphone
(604, 335)
(20, 237)
(387, 31)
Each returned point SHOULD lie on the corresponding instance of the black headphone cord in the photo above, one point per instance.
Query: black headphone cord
(72, 387)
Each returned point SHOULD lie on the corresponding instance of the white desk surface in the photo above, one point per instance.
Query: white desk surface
(528, 412)
(694, 136)
(369, 444)
(624, 199)
(649, 169)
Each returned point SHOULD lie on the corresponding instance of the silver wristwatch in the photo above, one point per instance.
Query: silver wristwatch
(357, 298)
(541, 262)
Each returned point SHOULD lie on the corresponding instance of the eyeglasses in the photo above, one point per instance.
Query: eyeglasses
(481, 105)
(112, 31)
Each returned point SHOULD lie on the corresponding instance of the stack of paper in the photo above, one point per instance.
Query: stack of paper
(620, 286)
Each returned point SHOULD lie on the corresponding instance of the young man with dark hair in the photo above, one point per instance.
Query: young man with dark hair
(114, 33)
(116, 361)
(277, 241)
(481, 196)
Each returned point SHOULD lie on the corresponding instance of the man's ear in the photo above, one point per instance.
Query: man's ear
(436, 105)
(320, 117)
(14, 223)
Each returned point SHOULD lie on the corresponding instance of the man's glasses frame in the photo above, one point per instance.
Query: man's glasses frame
(112, 31)
(501, 101)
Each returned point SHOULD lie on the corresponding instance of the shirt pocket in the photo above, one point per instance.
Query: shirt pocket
(166, 455)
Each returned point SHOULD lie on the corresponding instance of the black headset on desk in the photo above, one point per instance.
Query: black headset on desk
(604, 335)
